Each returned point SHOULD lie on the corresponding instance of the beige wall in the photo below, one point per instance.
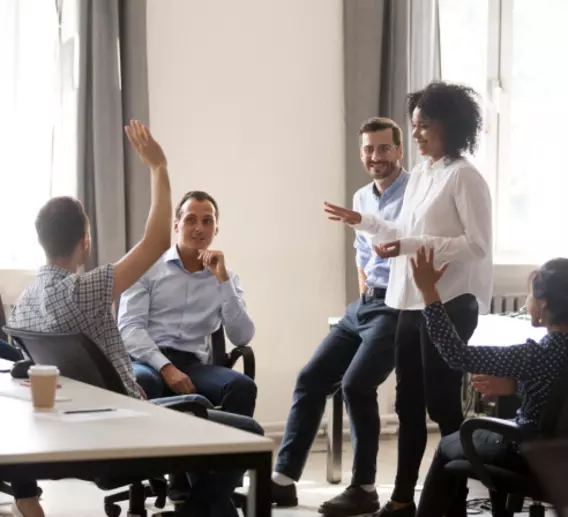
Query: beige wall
(247, 99)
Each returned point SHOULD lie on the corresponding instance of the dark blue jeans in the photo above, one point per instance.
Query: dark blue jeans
(228, 389)
(358, 355)
(9, 352)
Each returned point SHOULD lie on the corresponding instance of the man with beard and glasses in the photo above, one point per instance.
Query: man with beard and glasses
(358, 353)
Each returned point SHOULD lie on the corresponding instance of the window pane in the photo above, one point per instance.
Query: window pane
(31, 103)
(532, 182)
(463, 42)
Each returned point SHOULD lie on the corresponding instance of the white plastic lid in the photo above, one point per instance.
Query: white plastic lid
(40, 369)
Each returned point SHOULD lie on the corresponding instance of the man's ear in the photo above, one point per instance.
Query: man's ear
(216, 230)
(176, 224)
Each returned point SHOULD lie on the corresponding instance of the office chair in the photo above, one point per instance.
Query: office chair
(152, 381)
(514, 486)
(5, 353)
(78, 358)
(219, 356)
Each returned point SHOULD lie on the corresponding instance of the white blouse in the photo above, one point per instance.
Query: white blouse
(447, 207)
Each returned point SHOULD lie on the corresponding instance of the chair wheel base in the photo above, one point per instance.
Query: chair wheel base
(112, 510)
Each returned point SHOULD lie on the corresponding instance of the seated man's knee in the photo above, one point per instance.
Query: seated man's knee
(245, 386)
(150, 380)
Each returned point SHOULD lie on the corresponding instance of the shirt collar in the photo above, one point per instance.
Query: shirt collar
(172, 255)
(438, 164)
(402, 177)
(51, 270)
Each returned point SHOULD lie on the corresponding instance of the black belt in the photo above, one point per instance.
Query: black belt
(375, 292)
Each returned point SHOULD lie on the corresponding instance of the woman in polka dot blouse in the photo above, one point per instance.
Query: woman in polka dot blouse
(535, 366)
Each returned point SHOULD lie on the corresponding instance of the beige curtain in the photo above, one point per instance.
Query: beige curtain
(113, 88)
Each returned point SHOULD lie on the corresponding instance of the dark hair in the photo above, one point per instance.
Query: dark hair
(456, 108)
(61, 224)
(198, 195)
(379, 124)
(550, 284)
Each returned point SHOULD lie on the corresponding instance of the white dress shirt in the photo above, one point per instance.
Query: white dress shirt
(447, 207)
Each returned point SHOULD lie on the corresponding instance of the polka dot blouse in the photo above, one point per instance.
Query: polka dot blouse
(535, 365)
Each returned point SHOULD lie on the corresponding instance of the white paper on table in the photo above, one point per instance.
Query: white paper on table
(25, 393)
(61, 416)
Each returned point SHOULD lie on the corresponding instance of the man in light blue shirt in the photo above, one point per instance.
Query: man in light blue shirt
(167, 317)
(358, 353)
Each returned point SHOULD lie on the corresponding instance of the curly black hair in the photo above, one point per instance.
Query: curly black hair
(456, 108)
(550, 284)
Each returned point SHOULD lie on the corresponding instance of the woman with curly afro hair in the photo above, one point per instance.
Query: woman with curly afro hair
(446, 208)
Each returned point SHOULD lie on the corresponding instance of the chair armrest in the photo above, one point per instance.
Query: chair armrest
(247, 354)
(183, 403)
(506, 428)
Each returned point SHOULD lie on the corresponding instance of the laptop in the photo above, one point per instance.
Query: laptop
(549, 461)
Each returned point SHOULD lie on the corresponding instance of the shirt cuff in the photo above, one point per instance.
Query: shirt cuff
(158, 360)
(410, 245)
(433, 311)
(367, 223)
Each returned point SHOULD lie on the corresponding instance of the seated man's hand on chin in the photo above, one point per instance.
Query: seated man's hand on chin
(491, 386)
(178, 381)
(215, 262)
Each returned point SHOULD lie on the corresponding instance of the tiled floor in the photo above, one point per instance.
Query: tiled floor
(76, 498)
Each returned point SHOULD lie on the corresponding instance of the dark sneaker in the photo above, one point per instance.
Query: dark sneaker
(284, 495)
(352, 501)
(388, 511)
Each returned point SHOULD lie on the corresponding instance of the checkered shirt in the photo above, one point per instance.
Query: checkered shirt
(59, 301)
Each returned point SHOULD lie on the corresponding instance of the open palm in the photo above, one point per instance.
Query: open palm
(426, 275)
(143, 142)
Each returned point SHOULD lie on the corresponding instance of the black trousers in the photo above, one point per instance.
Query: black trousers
(425, 382)
(444, 494)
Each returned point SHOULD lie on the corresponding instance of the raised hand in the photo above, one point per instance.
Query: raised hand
(339, 213)
(426, 275)
(144, 144)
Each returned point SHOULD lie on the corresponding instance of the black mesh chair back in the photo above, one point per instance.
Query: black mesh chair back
(218, 350)
(76, 356)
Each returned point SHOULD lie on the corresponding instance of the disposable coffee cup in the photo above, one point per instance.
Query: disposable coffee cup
(43, 382)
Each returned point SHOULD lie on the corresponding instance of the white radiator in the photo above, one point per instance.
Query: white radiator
(505, 303)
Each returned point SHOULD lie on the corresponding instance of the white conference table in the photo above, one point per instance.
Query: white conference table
(496, 330)
(139, 437)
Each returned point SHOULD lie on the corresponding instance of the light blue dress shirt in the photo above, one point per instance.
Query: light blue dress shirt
(387, 206)
(170, 307)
